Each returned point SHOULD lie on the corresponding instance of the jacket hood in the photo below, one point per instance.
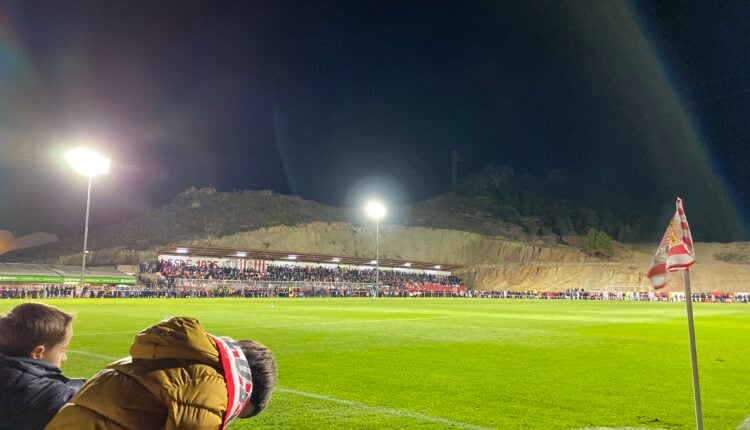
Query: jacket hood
(179, 338)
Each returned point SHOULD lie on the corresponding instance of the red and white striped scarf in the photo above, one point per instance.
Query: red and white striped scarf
(237, 375)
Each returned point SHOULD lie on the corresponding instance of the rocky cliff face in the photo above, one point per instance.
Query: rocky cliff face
(493, 262)
(400, 242)
(488, 262)
(494, 256)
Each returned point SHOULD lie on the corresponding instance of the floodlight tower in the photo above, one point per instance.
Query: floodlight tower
(376, 210)
(88, 163)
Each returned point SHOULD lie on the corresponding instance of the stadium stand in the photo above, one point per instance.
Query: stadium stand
(21, 280)
(172, 272)
(285, 280)
(188, 267)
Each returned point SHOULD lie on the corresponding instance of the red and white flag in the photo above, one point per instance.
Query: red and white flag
(675, 251)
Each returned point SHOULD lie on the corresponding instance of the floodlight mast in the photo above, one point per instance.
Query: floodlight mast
(88, 163)
(376, 210)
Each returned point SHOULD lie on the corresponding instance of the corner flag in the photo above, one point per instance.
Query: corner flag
(675, 251)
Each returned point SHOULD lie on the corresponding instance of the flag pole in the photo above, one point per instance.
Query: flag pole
(693, 353)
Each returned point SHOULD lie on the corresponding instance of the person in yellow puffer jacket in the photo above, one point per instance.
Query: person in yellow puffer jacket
(177, 377)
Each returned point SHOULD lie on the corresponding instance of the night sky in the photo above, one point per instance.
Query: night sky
(648, 99)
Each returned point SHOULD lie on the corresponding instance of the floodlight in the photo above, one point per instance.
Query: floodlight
(87, 162)
(335, 260)
(437, 267)
(375, 209)
(182, 250)
(241, 254)
(292, 257)
(407, 264)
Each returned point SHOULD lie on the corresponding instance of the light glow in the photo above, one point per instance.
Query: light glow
(335, 260)
(375, 209)
(182, 250)
(292, 257)
(241, 254)
(87, 162)
(407, 264)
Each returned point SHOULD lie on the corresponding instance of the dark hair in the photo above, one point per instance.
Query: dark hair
(29, 325)
(263, 368)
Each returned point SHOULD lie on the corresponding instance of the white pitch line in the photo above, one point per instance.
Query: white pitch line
(383, 410)
(621, 428)
(399, 412)
(343, 322)
(745, 424)
(105, 333)
(135, 332)
(355, 405)
(91, 354)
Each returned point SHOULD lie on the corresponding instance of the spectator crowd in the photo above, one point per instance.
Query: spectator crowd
(37, 292)
(177, 280)
(299, 290)
(171, 273)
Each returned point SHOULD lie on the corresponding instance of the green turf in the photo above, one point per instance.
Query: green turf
(442, 363)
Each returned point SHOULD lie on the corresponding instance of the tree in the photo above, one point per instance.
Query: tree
(531, 225)
(529, 203)
(592, 219)
(598, 243)
(628, 234)
(563, 225)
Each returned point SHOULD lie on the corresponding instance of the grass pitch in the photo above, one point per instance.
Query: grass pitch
(459, 363)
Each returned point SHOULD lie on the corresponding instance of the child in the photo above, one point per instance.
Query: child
(178, 377)
(33, 338)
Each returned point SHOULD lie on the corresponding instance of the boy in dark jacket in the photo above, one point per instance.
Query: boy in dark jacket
(33, 338)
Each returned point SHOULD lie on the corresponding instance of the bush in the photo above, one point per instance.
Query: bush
(628, 234)
(598, 243)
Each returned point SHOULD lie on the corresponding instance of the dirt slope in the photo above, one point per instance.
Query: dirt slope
(494, 255)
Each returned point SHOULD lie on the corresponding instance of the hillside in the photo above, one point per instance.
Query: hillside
(192, 214)
(198, 214)
(449, 229)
